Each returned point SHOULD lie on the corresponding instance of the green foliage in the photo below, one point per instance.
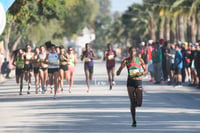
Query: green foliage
(42, 20)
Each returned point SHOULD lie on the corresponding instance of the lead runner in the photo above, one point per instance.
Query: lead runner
(134, 65)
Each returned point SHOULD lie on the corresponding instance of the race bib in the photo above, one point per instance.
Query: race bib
(42, 60)
(28, 57)
(55, 63)
(133, 72)
(87, 59)
(111, 57)
(20, 65)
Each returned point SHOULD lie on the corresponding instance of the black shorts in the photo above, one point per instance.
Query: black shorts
(172, 67)
(89, 68)
(64, 67)
(178, 71)
(109, 68)
(43, 68)
(28, 67)
(187, 65)
(134, 83)
(19, 71)
(36, 70)
(52, 70)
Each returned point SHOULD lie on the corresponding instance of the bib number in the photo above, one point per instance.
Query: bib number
(133, 72)
(110, 57)
(87, 59)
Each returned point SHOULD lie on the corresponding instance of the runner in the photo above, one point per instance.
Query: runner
(63, 69)
(36, 65)
(48, 46)
(109, 56)
(43, 71)
(71, 66)
(53, 61)
(28, 68)
(19, 63)
(134, 65)
(88, 55)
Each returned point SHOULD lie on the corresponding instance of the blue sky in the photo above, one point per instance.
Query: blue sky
(122, 5)
(6, 3)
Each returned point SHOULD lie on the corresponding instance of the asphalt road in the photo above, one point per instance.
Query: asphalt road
(165, 109)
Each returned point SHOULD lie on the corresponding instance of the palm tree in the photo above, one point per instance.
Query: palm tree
(187, 10)
(139, 21)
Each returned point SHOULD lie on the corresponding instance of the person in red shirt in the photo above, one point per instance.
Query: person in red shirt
(109, 56)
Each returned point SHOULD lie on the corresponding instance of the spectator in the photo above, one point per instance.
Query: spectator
(178, 65)
(157, 62)
(5, 69)
(197, 62)
(172, 56)
(1, 59)
(150, 48)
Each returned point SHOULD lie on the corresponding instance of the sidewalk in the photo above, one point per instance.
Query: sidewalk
(3, 79)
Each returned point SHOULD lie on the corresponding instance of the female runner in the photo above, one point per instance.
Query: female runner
(71, 66)
(53, 61)
(28, 66)
(36, 66)
(43, 71)
(88, 55)
(19, 63)
(134, 65)
(63, 69)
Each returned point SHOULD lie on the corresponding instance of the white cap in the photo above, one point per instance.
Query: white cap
(142, 43)
(150, 41)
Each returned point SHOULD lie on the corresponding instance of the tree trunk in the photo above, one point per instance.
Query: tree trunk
(177, 30)
(16, 43)
(193, 28)
(167, 28)
(6, 40)
(181, 28)
(161, 32)
(153, 35)
(198, 30)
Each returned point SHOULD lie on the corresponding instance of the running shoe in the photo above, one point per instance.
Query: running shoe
(113, 83)
(28, 92)
(134, 124)
(178, 86)
(110, 87)
(162, 81)
(54, 97)
(157, 82)
(70, 91)
(151, 80)
(40, 89)
(61, 89)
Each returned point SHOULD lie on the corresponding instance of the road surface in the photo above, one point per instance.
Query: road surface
(165, 109)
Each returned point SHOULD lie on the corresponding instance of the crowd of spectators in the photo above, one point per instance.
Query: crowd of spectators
(172, 63)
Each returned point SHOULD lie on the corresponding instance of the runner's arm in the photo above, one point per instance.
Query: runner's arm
(123, 64)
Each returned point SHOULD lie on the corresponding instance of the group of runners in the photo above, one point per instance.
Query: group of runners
(50, 65)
